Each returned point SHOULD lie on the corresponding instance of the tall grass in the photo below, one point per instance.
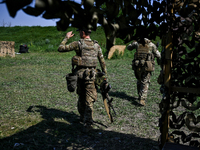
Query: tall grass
(43, 39)
(47, 39)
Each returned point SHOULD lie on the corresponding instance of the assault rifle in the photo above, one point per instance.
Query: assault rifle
(102, 82)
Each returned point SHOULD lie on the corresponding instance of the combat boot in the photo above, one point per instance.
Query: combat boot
(142, 102)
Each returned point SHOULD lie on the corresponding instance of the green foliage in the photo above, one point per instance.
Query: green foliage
(104, 51)
(117, 54)
(129, 54)
(34, 37)
(105, 9)
(43, 39)
(47, 39)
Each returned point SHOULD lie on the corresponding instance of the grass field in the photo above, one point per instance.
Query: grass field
(37, 111)
(47, 39)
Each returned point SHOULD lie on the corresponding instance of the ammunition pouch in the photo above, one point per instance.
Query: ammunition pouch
(142, 63)
(137, 63)
(71, 82)
(76, 60)
(149, 65)
(87, 74)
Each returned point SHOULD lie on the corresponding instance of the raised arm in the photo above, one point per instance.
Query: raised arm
(70, 47)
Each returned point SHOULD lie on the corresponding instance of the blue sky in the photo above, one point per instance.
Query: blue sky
(22, 19)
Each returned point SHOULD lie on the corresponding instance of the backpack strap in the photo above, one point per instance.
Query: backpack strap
(80, 43)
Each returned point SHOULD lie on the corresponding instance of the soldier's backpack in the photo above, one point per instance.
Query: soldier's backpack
(23, 49)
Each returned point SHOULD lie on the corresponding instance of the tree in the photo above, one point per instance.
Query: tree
(119, 18)
(136, 19)
(125, 19)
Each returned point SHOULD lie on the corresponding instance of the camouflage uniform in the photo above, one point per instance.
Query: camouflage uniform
(143, 55)
(89, 52)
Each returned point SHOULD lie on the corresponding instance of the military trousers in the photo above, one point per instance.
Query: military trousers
(143, 81)
(87, 93)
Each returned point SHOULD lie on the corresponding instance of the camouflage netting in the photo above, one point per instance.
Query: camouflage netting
(181, 97)
(119, 18)
(176, 22)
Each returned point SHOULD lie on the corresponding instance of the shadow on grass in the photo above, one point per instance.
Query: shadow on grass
(58, 135)
(123, 95)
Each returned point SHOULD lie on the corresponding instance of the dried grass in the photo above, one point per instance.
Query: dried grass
(120, 48)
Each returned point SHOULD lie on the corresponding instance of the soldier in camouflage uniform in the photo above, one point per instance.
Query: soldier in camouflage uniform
(84, 63)
(143, 65)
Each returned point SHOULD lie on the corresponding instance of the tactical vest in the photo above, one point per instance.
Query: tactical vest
(143, 58)
(88, 54)
(142, 52)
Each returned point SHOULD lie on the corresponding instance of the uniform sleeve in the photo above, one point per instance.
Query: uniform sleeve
(70, 47)
(132, 46)
(101, 60)
(156, 53)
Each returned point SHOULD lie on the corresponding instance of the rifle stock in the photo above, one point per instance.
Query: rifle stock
(104, 88)
(107, 109)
